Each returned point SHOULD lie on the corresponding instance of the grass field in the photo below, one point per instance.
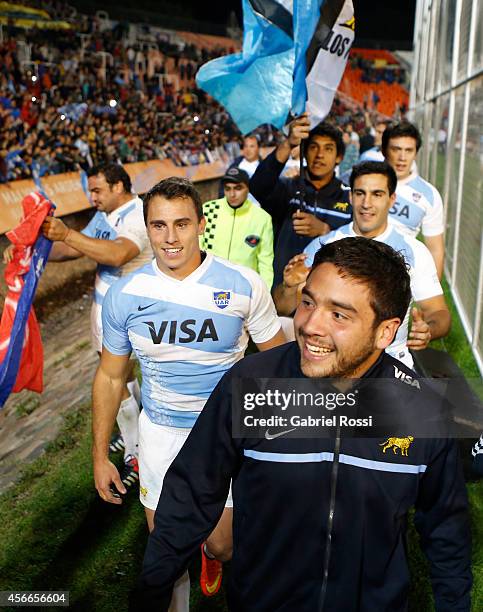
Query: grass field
(56, 534)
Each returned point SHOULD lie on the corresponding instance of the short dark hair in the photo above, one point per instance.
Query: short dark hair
(374, 167)
(253, 137)
(113, 173)
(326, 129)
(382, 269)
(170, 189)
(399, 130)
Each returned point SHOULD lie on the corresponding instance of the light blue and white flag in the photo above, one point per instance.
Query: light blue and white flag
(321, 59)
(254, 86)
(285, 45)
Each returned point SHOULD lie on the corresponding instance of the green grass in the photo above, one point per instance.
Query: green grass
(27, 406)
(56, 534)
(456, 343)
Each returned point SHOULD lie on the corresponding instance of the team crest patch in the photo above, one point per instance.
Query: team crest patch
(398, 443)
(341, 206)
(143, 491)
(416, 196)
(221, 298)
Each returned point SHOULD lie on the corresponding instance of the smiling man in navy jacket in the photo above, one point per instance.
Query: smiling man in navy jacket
(320, 524)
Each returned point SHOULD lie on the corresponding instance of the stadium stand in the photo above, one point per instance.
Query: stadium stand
(73, 96)
(376, 80)
(93, 89)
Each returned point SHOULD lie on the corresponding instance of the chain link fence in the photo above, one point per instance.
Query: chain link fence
(447, 104)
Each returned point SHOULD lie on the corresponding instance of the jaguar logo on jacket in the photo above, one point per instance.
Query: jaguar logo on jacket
(398, 443)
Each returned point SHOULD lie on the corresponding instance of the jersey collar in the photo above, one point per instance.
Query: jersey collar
(380, 238)
(191, 278)
(408, 179)
(116, 212)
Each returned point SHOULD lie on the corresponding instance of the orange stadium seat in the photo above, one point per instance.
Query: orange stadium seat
(390, 95)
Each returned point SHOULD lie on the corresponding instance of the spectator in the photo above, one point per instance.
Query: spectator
(237, 230)
(324, 204)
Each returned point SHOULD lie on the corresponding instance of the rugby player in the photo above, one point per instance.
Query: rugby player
(320, 523)
(418, 205)
(373, 186)
(187, 316)
(116, 239)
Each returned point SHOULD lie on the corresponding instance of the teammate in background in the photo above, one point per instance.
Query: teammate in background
(320, 523)
(237, 230)
(116, 239)
(187, 316)
(325, 204)
(375, 153)
(373, 186)
(418, 206)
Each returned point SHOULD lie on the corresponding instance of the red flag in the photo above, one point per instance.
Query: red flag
(30, 373)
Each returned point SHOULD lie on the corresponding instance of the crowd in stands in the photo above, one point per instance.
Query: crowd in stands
(85, 99)
(89, 95)
(373, 73)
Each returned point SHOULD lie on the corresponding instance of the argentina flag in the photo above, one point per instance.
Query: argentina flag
(285, 45)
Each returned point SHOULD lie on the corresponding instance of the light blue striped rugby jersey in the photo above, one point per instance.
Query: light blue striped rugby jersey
(127, 221)
(422, 271)
(418, 207)
(186, 333)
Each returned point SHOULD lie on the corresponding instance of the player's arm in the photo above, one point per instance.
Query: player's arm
(443, 524)
(431, 321)
(276, 340)
(107, 390)
(287, 294)
(108, 252)
(433, 230)
(435, 246)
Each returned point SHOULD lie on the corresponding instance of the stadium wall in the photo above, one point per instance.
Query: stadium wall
(446, 101)
(66, 192)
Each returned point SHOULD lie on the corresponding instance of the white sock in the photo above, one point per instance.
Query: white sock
(127, 420)
(134, 390)
(180, 601)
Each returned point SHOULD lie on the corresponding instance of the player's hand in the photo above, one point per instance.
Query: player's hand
(420, 334)
(54, 229)
(108, 482)
(306, 224)
(295, 272)
(298, 130)
(8, 254)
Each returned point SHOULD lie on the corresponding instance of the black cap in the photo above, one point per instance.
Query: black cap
(235, 175)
